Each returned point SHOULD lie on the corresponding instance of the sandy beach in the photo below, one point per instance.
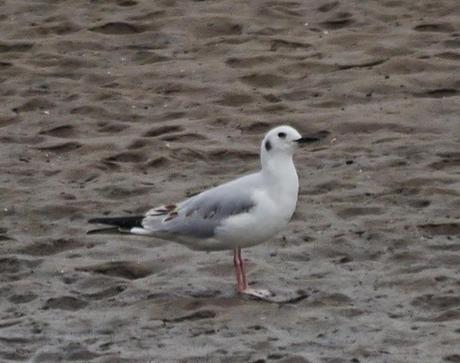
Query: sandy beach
(112, 107)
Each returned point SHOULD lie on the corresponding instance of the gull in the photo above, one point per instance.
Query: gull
(241, 213)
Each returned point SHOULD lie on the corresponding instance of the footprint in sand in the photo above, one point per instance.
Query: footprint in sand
(50, 247)
(70, 303)
(116, 28)
(162, 130)
(125, 269)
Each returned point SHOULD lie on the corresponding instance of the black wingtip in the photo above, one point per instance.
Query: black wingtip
(120, 222)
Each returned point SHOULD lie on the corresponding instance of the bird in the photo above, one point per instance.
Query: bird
(241, 213)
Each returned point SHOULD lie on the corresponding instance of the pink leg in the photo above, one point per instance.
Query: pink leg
(242, 284)
(236, 263)
(243, 273)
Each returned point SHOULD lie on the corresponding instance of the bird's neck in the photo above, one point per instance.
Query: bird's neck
(280, 169)
(282, 181)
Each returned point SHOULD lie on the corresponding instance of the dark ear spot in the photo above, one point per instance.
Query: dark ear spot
(268, 146)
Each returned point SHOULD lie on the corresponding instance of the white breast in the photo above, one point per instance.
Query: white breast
(274, 208)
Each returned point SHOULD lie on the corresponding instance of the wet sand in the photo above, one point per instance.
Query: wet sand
(115, 106)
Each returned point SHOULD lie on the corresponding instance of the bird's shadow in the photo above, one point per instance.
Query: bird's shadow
(281, 297)
(278, 297)
(174, 308)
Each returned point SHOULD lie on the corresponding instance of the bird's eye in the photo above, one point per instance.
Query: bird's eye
(282, 135)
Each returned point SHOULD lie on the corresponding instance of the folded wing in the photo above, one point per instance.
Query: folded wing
(195, 218)
(199, 216)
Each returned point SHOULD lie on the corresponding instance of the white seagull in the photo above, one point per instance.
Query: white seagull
(241, 213)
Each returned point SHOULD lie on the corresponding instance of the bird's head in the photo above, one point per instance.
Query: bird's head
(283, 140)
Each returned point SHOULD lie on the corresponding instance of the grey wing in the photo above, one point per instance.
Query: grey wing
(199, 216)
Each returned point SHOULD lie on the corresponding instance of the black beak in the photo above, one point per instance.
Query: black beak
(314, 137)
(307, 140)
